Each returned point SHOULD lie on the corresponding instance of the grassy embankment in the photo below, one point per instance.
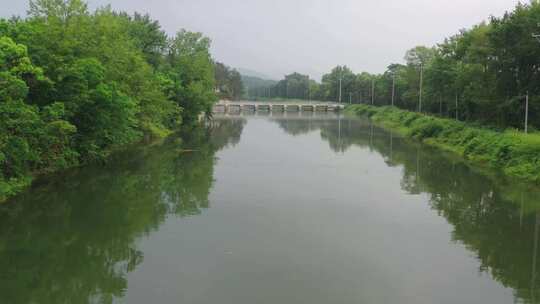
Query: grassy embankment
(513, 152)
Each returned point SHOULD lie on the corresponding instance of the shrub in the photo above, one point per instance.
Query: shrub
(515, 153)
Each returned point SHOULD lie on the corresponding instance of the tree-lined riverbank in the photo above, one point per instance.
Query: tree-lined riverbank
(76, 85)
(515, 153)
(487, 74)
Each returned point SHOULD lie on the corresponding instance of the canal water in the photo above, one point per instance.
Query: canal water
(295, 208)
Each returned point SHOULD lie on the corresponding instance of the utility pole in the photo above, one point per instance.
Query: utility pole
(440, 104)
(340, 77)
(393, 87)
(421, 84)
(526, 112)
(372, 91)
(350, 98)
(308, 92)
(457, 118)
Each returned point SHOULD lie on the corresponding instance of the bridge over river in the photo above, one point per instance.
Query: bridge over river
(275, 106)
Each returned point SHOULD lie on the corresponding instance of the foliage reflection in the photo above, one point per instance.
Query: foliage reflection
(73, 238)
(494, 218)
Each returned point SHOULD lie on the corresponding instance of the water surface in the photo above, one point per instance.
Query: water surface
(311, 208)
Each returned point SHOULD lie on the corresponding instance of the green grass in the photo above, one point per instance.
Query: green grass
(515, 153)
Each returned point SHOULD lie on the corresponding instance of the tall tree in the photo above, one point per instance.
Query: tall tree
(190, 68)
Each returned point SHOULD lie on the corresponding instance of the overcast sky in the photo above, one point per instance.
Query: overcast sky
(276, 37)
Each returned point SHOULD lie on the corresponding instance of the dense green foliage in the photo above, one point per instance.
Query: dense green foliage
(229, 83)
(515, 153)
(481, 74)
(74, 85)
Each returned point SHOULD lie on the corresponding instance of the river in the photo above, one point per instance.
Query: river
(305, 208)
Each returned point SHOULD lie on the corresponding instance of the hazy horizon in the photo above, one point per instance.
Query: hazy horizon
(275, 38)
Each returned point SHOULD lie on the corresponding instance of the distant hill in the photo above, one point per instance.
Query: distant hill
(253, 84)
(251, 73)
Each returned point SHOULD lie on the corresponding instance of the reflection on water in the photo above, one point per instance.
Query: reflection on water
(75, 237)
(72, 239)
(496, 220)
